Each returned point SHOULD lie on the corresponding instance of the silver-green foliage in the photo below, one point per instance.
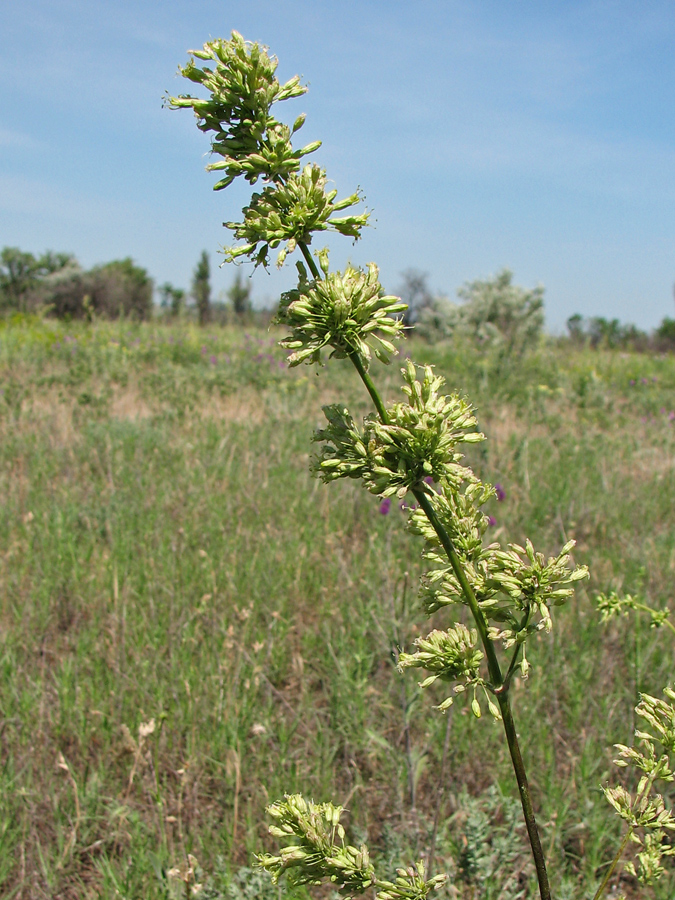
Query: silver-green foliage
(495, 313)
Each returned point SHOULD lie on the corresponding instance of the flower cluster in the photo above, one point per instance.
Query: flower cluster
(410, 884)
(316, 852)
(288, 213)
(459, 513)
(533, 584)
(417, 445)
(242, 89)
(417, 442)
(612, 605)
(295, 203)
(511, 585)
(346, 311)
(645, 811)
(515, 588)
(451, 656)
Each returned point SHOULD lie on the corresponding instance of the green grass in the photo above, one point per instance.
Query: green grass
(164, 555)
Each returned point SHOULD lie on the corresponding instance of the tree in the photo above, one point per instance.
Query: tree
(51, 262)
(121, 287)
(496, 311)
(172, 299)
(20, 273)
(575, 327)
(201, 288)
(665, 334)
(17, 276)
(439, 321)
(116, 288)
(414, 291)
(239, 295)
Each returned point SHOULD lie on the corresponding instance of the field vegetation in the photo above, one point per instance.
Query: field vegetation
(191, 626)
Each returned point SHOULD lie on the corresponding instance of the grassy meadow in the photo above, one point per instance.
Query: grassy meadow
(191, 626)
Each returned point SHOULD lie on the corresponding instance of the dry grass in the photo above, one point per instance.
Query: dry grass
(165, 556)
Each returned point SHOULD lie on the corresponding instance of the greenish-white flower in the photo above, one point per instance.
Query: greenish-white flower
(644, 810)
(243, 87)
(346, 312)
(314, 848)
(289, 212)
(410, 884)
(313, 851)
(450, 655)
(417, 443)
(515, 588)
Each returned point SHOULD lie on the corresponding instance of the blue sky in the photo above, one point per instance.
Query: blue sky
(532, 134)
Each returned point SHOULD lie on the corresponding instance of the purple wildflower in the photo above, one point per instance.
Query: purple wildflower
(500, 492)
(428, 479)
(492, 521)
(204, 351)
(671, 415)
(213, 360)
(385, 506)
(632, 381)
(644, 381)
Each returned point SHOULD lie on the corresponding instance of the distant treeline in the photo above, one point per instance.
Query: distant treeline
(598, 332)
(496, 313)
(492, 313)
(56, 283)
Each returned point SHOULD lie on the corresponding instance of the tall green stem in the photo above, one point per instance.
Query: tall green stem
(502, 695)
(499, 684)
(370, 387)
(525, 796)
(605, 881)
(500, 687)
(304, 249)
(493, 663)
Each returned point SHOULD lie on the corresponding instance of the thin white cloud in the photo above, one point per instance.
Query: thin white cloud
(22, 196)
(11, 138)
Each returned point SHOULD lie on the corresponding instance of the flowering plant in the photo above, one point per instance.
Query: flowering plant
(414, 446)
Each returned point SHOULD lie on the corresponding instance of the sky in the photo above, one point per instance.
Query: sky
(537, 135)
